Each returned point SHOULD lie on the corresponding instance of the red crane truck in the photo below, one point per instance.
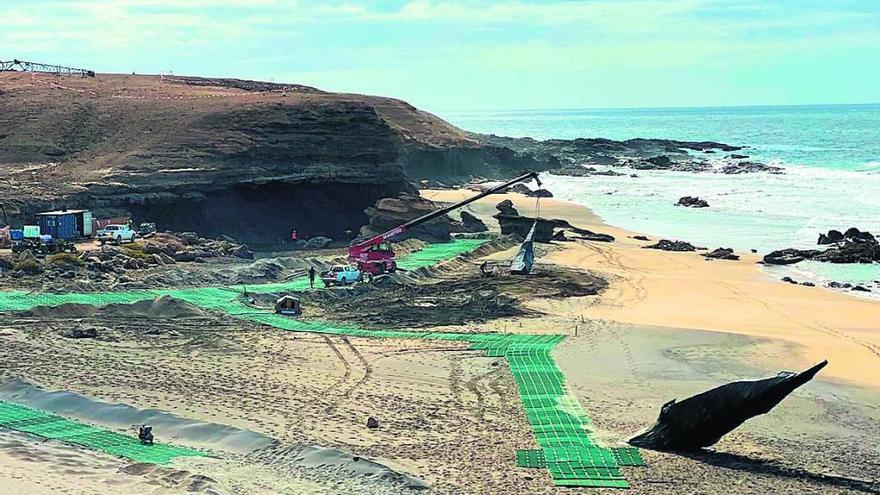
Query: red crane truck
(376, 255)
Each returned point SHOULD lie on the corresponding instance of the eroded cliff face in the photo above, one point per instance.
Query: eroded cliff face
(247, 159)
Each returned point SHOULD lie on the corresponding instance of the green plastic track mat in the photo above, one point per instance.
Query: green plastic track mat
(54, 427)
(628, 456)
(560, 424)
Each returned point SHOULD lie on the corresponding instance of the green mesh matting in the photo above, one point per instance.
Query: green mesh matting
(559, 421)
(54, 427)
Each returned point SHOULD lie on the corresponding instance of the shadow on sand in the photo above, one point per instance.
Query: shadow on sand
(773, 468)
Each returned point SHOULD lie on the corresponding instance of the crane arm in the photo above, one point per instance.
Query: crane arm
(434, 214)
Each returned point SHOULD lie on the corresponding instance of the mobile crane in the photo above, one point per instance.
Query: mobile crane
(376, 255)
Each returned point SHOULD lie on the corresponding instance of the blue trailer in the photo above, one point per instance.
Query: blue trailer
(66, 224)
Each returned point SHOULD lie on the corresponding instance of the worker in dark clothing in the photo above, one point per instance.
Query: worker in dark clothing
(312, 277)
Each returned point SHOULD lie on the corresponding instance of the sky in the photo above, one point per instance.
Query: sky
(479, 55)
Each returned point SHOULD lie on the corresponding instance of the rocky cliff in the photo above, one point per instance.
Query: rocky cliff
(244, 158)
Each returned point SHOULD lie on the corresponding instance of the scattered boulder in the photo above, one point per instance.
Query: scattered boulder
(589, 235)
(243, 252)
(667, 245)
(540, 193)
(808, 284)
(189, 238)
(372, 423)
(692, 202)
(317, 242)
(641, 238)
(506, 208)
(578, 171)
(861, 288)
(832, 237)
(469, 224)
(81, 332)
(851, 252)
(721, 254)
(840, 285)
(789, 280)
(856, 235)
(749, 168)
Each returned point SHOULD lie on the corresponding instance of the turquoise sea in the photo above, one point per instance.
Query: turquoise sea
(831, 156)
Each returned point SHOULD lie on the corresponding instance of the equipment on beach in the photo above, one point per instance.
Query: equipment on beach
(288, 306)
(525, 257)
(145, 434)
(376, 255)
(700, 421)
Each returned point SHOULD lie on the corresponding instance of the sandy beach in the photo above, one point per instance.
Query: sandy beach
(668, 325)
(683, 290)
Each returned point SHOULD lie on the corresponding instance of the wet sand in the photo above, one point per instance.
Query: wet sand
(683, 290)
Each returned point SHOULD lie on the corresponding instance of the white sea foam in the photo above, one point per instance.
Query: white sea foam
(748, 211)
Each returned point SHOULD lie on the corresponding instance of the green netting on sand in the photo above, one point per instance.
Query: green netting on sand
(560, 423)
(43, 424)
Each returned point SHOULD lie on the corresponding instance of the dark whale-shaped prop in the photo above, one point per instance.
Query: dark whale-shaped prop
(700, 421)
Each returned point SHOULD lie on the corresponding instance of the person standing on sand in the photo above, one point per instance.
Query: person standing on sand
(312, 277)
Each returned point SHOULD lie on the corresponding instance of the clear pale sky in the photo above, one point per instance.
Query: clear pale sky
(464, 55)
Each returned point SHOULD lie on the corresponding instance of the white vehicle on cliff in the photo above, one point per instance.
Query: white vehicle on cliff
(115, 233)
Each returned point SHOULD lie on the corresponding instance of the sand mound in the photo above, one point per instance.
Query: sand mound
(167, 427)
(164, 307)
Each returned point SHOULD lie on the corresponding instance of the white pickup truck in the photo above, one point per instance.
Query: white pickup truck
(115, 233)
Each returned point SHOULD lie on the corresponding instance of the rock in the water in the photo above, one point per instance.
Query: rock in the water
(722, 254)
(852, 234)
(667, 245)
(789, 256)
(318, 242)
(861, 288)
(832, 237)
(576, 171)
(808, 284)
(692, 202)
(851, 252)
(506, 208)
(749, 168)
(856, 235)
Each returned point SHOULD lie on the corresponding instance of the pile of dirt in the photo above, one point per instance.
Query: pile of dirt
(164, 307)
(457, 299)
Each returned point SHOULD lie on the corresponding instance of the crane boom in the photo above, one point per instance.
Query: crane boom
(359, 252)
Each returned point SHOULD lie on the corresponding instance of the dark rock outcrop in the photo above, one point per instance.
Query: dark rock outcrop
(832, 237)
(692, 202)
(789, 256)
(469, 224)
(388, 213)
(576, 171)
(749, 168)
(721, 254)
(667, 245)
(506, 208)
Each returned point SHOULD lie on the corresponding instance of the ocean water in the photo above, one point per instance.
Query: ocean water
(830, 153)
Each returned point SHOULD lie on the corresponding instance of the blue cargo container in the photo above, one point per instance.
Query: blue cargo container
(65, 224)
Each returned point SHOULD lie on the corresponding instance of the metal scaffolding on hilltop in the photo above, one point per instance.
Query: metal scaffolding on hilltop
(22, 65)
